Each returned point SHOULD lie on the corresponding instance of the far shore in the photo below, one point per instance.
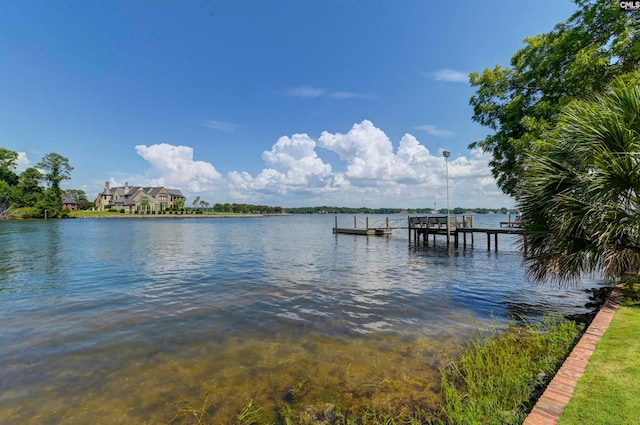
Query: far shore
(96, 214)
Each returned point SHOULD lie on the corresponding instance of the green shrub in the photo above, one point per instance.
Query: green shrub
(26, 212)
(499, 377)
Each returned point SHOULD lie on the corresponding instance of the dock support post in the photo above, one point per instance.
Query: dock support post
(472, 234)
(488, 241)
(366, 223)
(495, 235)
(335, 229)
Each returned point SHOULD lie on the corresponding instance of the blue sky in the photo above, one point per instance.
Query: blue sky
(290, 103)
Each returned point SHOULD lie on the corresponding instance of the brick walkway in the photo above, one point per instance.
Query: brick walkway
(549, 407)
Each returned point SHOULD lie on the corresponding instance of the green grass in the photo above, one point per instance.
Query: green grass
(608, 391)
(99, 214)
(498, 379)
(89, 214)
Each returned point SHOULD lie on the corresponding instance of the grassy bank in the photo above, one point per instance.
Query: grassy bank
(498, 379)
(108, 214)
(608, 391)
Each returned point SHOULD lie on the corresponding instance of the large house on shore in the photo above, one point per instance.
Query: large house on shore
(130, 199)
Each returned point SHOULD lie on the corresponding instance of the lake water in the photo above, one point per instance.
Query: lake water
(108, 321)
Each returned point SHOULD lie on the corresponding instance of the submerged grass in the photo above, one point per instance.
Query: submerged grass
(194, 414)
(496, 380)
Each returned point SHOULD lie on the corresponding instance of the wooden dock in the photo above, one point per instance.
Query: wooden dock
(371, 231)
(454, 228)
(366, 230)
(517, 222)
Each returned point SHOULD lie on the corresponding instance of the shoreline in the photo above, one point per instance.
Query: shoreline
(150, 216)
(144, 216)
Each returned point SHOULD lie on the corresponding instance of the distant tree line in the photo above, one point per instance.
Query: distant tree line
(364, 210)
(36, 191)
(266, 209)
(247, 209)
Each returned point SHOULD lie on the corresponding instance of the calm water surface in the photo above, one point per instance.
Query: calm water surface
(129, 321)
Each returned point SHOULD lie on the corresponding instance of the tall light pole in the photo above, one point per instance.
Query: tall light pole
(447, 154)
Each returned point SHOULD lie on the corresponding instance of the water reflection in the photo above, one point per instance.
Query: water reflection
(150, 313)
(45, 251)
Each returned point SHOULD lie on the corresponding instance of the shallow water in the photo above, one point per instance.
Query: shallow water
(128, 321)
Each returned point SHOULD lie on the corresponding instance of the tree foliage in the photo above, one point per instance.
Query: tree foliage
(8, 161)
(80, 196)
(577, 58)
(56, 168)
(26, 190)
(77, 195)
(581, 189)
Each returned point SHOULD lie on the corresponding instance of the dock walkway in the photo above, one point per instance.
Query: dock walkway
(363, 231)
(453, 227)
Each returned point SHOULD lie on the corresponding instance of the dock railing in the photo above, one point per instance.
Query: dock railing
(450, 226)
(444, 222)
(438, 224)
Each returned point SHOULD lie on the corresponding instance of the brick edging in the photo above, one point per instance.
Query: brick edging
(556, 396)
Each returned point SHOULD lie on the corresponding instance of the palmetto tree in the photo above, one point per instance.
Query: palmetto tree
(580, 197)
(144, 205)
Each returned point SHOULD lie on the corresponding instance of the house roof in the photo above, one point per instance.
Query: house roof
(153, 191)
(133, 191)
(123, 201)
(175, 192)
(67, 200)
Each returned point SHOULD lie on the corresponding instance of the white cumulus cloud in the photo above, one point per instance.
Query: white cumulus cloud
(294, 166)
(367, 150)
(23, 162)
(372, 171)
(175, 167)
(362, 167)
(296, 153)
